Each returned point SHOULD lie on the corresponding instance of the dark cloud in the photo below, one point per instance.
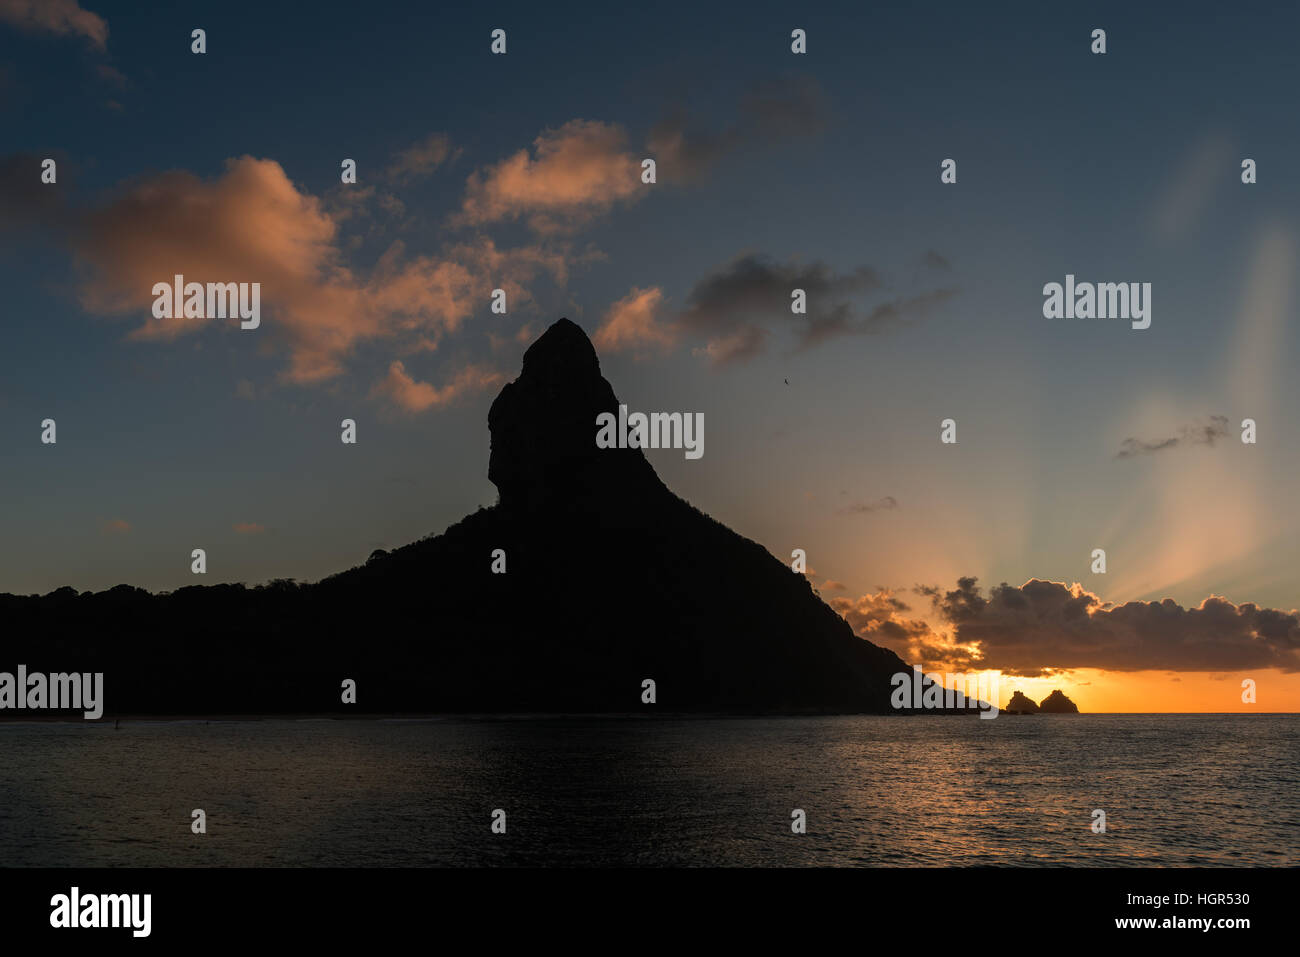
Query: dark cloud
(1042, 627)
(775, 111)
(733, 307)
(1206, 433)
(843, 321)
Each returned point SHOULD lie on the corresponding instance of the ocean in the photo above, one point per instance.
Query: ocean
(1176, 790)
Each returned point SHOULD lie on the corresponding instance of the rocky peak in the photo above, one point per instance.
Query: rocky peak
(543, 426)
(1021, 704)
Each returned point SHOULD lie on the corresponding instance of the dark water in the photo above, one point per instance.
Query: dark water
(1177, 790)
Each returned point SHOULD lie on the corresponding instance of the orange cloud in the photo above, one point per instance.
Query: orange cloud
(633, 323)
(881, 618)
(576, 172)
(252, 224)
(61, 17)
(249, 528)
(413, 396)
(116, 526)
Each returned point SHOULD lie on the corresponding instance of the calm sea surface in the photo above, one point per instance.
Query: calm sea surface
(912, 791)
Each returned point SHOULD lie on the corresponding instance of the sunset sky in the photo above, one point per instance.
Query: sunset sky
(775, 171)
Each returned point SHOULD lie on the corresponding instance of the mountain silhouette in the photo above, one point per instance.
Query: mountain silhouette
(1058, 703)
(610, 579)
(1020, 703)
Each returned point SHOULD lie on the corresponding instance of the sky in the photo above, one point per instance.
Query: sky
(774, 171)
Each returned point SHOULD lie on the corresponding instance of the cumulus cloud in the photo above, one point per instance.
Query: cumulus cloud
(410, 395)
(60, 17)
(1206, 433)
(882, 618)
(252, 224)
(115, 526)
(571, 175)
(249, 528)
(1042, 627)
(636, 322)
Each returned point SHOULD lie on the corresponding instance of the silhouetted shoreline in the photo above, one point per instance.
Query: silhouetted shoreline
(588, 588)
(470, 716)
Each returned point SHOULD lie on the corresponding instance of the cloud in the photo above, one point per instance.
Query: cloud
(841, 320)
(888, 503)
(831, 584)
(635, 322)
(733, 306)
(881, 618)
(115, 526)
(1200, 434)
(572, 175)
(413, 396)
(249, 528)
(60, 17)
(751, 288)
(735, 346)
(252, 224)
(775, 111)
(420, 159)
(1043, 627)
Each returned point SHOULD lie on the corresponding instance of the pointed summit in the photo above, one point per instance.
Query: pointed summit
(543, 426)
(562, 350)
